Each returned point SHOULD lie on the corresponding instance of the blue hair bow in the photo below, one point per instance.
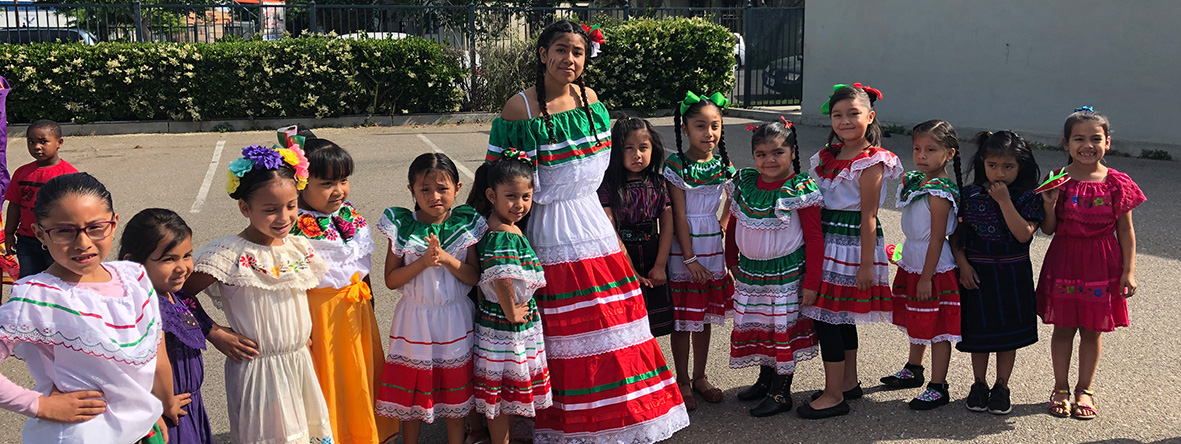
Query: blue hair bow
(1084, 108)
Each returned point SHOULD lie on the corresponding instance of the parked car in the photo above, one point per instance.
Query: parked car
(46, 35)
(785, 76)
(739, 50)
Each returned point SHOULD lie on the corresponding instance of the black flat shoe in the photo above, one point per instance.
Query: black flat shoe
(850, 394)
(807, 412)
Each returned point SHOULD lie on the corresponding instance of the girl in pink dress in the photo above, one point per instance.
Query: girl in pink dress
(1088, 273)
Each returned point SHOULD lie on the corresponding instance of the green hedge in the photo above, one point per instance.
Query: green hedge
(645, 64)
(321, 77)
(649, 64)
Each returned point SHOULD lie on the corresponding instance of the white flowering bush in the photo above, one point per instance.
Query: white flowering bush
(648, 64)
(313, 76)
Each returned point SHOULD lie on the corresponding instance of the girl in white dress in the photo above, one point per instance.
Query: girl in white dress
(428, 370)
(88, 330)
(260, 278)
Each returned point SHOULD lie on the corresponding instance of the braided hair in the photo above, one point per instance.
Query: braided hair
(775, 130)
(943, 134)
(679, 121)
(873, 132)
(545, 40)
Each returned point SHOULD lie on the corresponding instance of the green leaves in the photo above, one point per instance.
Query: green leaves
(649, 64)
(314, 76)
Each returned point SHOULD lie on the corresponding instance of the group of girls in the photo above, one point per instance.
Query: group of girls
(805, 260)
(573, 284)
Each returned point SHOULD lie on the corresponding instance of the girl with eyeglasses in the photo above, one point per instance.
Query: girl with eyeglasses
(88, 330)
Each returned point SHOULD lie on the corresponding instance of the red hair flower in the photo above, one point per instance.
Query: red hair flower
(596, 38)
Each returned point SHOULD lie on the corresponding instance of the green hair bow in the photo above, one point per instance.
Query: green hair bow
(827, 106)
(716, 98)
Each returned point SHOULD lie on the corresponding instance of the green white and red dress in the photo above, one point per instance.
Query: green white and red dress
(428, 369)
(610, 381)
(698, 303)
(770, 230)
(511, 374)
(840, 302)
(936, 320)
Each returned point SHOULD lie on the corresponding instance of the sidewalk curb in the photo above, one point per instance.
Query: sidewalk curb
(179, 127)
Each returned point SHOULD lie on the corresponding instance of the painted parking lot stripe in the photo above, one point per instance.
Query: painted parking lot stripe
(459, 166)
(197, 204)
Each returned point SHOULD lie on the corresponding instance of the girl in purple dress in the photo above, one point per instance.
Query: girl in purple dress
(161, 241)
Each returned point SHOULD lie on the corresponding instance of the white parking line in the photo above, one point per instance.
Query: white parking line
(459, 166)
(208, 178)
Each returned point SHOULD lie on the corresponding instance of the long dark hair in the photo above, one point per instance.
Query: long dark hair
(616, 175)
(690, 112)
(428, 162)
(147, 228)
(944, 134)
(545, 40)
(494, 173)
(873, 133)
(1005, 143)
(774, 130)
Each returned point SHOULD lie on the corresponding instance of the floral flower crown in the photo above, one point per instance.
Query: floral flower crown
(260, 157)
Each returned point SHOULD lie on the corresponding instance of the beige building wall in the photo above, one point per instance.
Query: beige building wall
(1016, 64)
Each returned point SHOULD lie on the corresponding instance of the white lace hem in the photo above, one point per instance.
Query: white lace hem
(651, 431)
(419, 413)
(575, 252)
(527, 410)
(783, 368)
(598, 342)
(832, 317)
(936, 339)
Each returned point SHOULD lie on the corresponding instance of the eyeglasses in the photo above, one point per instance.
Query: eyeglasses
(67, 235)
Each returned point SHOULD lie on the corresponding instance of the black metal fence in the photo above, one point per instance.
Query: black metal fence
(768, 50)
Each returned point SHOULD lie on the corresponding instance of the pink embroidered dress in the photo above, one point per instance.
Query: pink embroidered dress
(1079, 284)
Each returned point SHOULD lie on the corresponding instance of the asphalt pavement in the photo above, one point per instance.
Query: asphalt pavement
(1137, 382)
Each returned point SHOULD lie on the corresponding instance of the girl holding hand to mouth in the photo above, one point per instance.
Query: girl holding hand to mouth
(260, 278)
(1088, 273)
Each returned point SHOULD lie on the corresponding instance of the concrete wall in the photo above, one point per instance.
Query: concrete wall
(1016, 64)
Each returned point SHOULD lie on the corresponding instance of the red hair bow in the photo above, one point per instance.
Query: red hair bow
(750, 127)
(873, 92)
(786, 123)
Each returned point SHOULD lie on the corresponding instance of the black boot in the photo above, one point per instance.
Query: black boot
(777, 401)
(760, 387)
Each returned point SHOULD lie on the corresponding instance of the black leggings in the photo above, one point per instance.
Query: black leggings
(835, 340)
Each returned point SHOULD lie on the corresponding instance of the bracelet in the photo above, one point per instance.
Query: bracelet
(690, 260)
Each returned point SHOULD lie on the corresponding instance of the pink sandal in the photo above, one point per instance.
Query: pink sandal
(1063, 408)
(1083, 411)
